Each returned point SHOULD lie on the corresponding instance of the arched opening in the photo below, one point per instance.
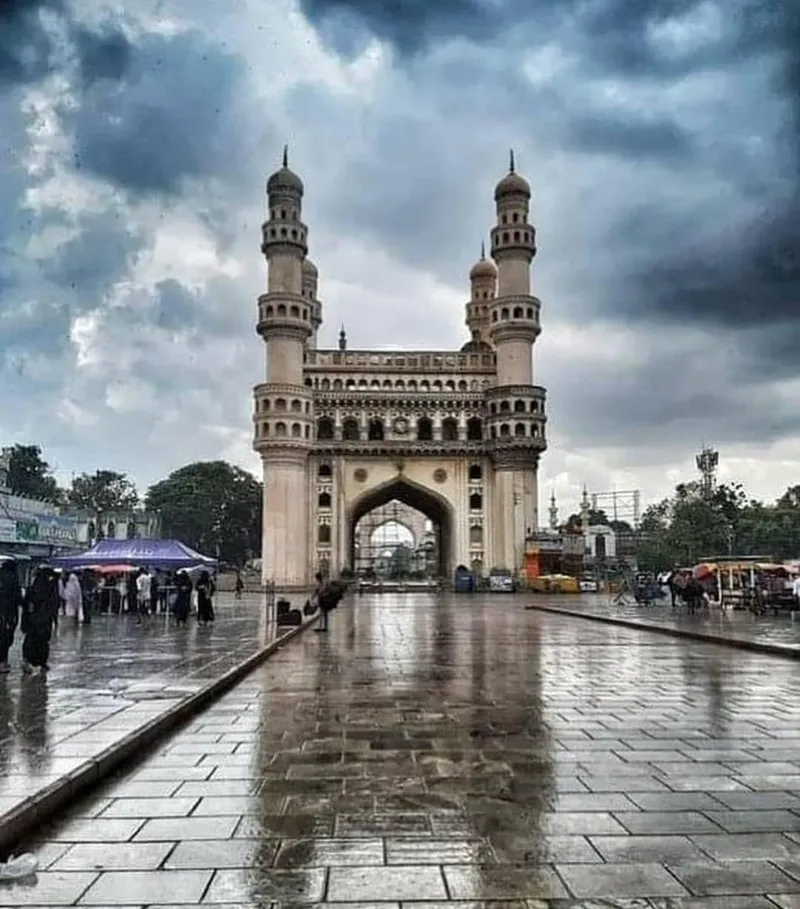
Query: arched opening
(350, 430)
(375, 431)
(324, 500)
(449, 430)
(475, 502)
(519, 407)
(424, 429)
(475, 472)
(324, 533)
(325, 471)
(519, 430)
(395, 542)
(437, 542)
(474, 429)
(324, 428)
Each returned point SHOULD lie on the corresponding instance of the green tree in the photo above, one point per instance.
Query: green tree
(102, 493)
(213, 507)
(694, 524)
(30, 475)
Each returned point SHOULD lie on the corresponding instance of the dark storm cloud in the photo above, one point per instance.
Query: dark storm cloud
(100, 254)
(167, 119)
(409, 26)
(628, 137)
(102, 54)
(26, 46)
(681, 395)
(39, 36)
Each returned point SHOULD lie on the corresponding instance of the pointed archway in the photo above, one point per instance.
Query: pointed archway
(435, 507)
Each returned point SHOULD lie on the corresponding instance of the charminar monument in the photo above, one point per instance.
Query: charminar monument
(455, 434)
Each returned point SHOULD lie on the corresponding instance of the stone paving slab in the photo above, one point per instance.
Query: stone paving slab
(434, 752)
(107, 682)
(767, 633)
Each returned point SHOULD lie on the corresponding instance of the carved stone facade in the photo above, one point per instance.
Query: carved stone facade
(454, 434)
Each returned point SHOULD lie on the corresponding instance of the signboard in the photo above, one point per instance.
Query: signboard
(50, 530)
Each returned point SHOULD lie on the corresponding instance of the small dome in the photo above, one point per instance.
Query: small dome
(483, 268)
(511, 185)
(475, 346)
(309, 268)
(285, 179)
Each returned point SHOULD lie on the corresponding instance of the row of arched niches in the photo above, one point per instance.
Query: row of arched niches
(424, 430)
(447, 385)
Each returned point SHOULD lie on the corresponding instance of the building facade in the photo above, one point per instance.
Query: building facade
(455, 434)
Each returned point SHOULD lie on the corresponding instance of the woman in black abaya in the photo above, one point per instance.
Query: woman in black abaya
(10, 603)
(38, 614)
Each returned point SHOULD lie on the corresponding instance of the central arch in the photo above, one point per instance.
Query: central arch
(434, 506)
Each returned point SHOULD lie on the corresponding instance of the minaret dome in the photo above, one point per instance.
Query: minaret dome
(285, 180)
(512, 184)
(483, 268)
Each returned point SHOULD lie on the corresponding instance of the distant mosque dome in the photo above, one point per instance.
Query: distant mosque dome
(309, 268)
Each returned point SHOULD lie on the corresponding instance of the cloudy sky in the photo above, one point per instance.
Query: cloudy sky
(661, 139)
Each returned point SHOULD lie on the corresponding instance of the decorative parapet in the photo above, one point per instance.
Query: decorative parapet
(383, 362)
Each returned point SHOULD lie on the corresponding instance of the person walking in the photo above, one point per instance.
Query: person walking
(205, 603)
(40, 607)
(73, 598)
(143, 582)
(10, 604)
(238, 587)
(328, 595)
(183, 596)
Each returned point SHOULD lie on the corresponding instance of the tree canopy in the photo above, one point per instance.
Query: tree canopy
(30, 475)
(213, 507)
(103, 492)
(694, 524)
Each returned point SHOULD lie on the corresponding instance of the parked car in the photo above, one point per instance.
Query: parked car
(589, 585)
(501, 581)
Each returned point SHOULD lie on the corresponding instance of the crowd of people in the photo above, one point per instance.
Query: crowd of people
(77, 595)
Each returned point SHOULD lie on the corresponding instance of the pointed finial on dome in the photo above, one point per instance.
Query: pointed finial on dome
(483, 250)
(511, 166)
(342, 338)
(285, 155)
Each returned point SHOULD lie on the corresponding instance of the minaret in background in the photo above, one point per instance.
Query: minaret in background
(553, 511)
(483, 281)
(516, 406)
(288, 317)
(309, 280)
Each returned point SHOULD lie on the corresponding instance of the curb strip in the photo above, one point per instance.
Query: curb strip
(32, 813)
(787, 651)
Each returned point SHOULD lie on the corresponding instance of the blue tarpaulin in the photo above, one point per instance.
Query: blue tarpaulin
(144, 553)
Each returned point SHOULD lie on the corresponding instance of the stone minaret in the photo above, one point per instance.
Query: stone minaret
(516, 406)
(287, 320)
(483, 281)
(310, 278)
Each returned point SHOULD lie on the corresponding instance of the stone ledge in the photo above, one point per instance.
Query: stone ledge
(32, 813)
(788, 651)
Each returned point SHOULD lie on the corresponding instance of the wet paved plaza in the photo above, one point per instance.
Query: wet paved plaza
(741, 625)
(107, 680)
(429, 752)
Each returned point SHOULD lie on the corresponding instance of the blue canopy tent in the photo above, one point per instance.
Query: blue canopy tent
(164, 554)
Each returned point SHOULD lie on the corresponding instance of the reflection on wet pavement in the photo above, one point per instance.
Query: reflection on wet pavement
(732, 624)
(432, 752)
(106, 680)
